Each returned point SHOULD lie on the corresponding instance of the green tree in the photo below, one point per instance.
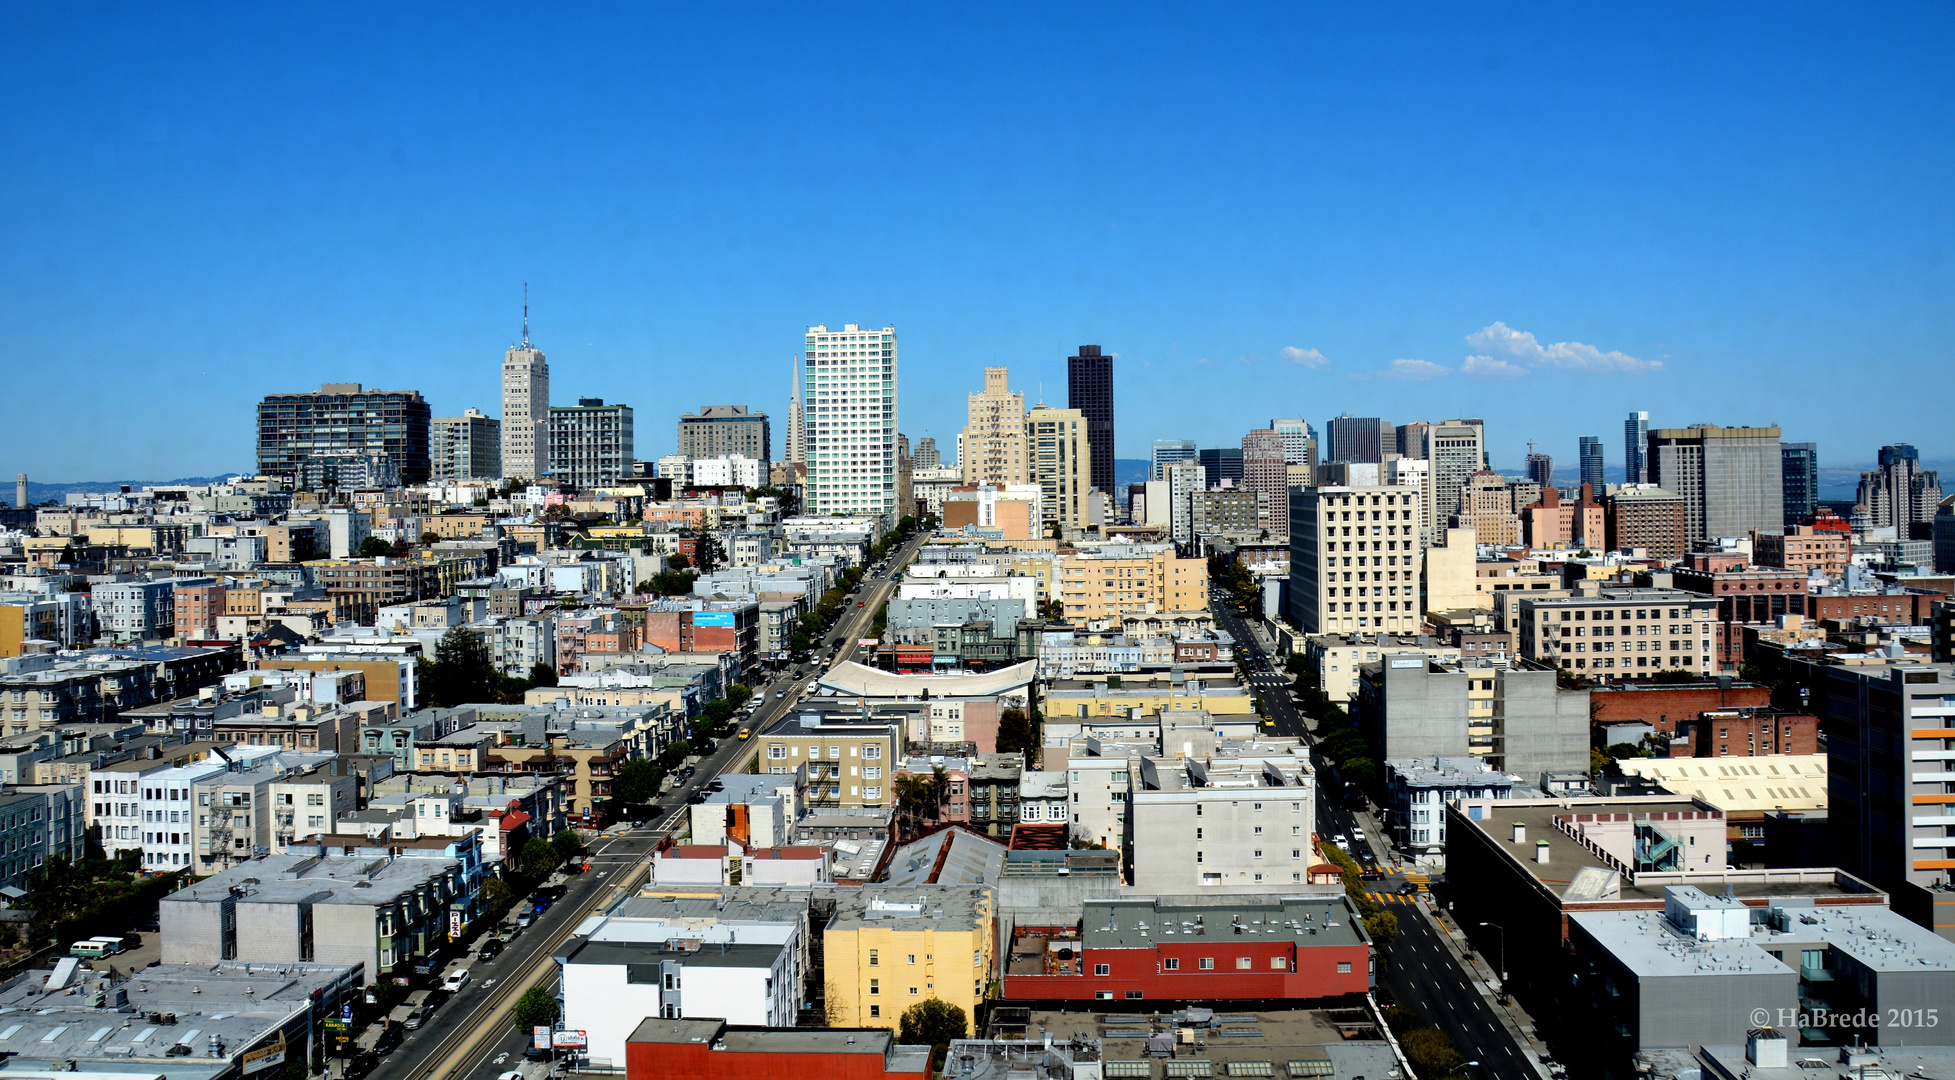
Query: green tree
(669, 582)
(539, 858)
(496, 896)
(373, 547)
(461, 671)
(1432, 1053)
(430, 538)
(739, 694)
(536, 1008)
(542, 674)
(1383, 928)
(678, 560)
(716, 713)
(708, 555)
(568, 845)
(1017, 733)
(637, 783)
(931, 1022)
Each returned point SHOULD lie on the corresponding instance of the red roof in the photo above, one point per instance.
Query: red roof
(512, 819)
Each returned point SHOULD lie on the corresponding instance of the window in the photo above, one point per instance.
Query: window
(875, 957)
(1244, 963)
(875, 986)
(1206, 963)
(1102, 969)
(1277, 963)
(1172, 963)
(1344, 967)
(315, 799)
(875, 1010)
(872, 753)
(777, 752)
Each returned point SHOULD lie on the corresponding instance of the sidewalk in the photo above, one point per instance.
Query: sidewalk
(1519, 1025)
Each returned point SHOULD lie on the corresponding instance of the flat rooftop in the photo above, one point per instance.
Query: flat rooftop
(1567, 857)
(948, 906)
(1145, 923)
(1650, 945)
(1293, 1043)
(332, 879)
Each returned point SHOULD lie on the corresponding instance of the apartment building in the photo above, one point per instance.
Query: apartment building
(849, 764)
(466, 447)
(39, 822)
(591, 443)
(995, 450)
(1119, 580)
(849, 397)
(1804, 549)
(345, 426)
(1059, 455)
(1514, 718)
(1242, 822)
(1329, 593)
(885, 950)
(1638, 631)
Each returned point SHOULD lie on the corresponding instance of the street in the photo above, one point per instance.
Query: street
(1422, 974)
(470, 1037)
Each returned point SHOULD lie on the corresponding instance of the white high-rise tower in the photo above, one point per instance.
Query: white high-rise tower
(848, 405)
(525, 408)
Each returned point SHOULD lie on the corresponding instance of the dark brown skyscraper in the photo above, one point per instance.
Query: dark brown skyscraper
(1089, 388)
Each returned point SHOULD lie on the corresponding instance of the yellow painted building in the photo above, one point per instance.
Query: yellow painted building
(1144, 695)
(886, 950)
(1112, 581)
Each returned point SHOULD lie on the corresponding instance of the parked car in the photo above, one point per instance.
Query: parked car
(456, 979)
(491, 949)
(524, 920)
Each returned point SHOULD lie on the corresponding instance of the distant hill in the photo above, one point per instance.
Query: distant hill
(38, 493)
(1130, 471)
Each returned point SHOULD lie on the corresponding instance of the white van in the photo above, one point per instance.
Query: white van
(90, 949)
(114, 944)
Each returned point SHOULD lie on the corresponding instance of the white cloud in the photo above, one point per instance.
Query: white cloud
(1204, 361)
(1409, 371)
(1487, 367)
(1500, 340)
(1309, 358)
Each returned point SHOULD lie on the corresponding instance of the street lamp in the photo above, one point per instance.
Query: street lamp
(1500, 943)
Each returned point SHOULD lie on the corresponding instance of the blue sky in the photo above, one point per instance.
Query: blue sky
(1740, 216)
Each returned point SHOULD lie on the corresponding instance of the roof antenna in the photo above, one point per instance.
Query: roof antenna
(525, 314)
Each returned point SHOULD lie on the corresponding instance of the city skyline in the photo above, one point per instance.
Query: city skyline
(1423, 222)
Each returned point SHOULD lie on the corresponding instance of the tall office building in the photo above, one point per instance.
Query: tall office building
(466, 447)
(525, 408)
(797, 431)
(994, 433)
(1800, 481)
(1059, 445)
(1730, 478)
(1899, 492)
(720, 430)
(849, 401)
(1299, 453)
(926, 456)
(1540, 467)
(1265, 472)
(346, 426)
(1356, 563)
(1411, 439)
(1455, 450)
(1592, 463)
(1360, 438)
(1169, 451)
(1089, 388)
(590, 443)
(1635, 449)
(1223, 465)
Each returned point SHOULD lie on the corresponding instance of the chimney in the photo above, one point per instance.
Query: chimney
(1541, 852)
(1520, 833)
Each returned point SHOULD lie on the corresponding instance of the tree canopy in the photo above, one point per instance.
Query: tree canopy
(932, 1022)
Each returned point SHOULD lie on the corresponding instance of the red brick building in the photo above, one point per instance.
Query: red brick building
(1665, 707)
(671, 1049)
(1230, 948)
(1905, 607)
(1748, 732)
(1746, 594)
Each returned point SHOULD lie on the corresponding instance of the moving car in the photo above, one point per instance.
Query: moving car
(1371, 873)
(746, 733)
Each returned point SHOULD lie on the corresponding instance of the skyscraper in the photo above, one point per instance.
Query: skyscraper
(1540, 467)
(1089, 388)
(1801, 481)
(1169, 451)
(849, 403)
(797, 430)
(1411, 439)
(345, 429)
(591, 443)
(1059, 445)
(1222, 464)
(926, 456)
(466, 447)
(525, 408)
(1899, 492)
(1359, 438)
(1635, 449)
(1455, 450)
(1299, 441)
(1185, 483)
(1265, 471)
(720, 430)
(994, 433)
(1592, 463)
(1731, 478)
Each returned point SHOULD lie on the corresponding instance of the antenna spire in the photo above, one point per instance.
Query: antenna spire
(525, 314)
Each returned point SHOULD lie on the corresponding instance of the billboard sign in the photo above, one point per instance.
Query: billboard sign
(575, 1040)
(264, 1057)
(542, 1036)
(713, 618)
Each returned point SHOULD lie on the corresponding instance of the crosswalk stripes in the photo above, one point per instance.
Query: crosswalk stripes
(1392, 898)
